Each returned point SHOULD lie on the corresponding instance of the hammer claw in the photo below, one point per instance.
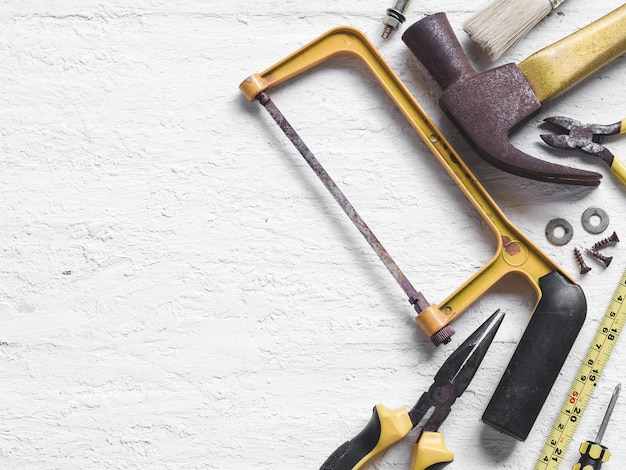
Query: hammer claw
(514, 161)
(541, 170)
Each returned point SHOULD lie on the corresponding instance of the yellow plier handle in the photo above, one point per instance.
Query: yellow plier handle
(618, 167)
(384, 429)
(430, 450)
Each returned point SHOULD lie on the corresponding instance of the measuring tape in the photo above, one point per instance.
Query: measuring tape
(586, 379)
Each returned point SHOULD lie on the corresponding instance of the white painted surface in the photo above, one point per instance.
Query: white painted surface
(179, 291)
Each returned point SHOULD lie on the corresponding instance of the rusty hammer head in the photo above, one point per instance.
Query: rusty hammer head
(485, 106)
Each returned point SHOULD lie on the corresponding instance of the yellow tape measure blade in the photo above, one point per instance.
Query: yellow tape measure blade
(585, 382)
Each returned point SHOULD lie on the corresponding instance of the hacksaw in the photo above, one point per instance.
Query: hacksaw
(561, 305)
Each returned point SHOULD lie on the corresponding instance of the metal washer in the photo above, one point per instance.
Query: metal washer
(568, 231)
(595, 212)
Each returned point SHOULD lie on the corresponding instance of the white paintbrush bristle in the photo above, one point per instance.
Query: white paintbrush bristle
(502, 23)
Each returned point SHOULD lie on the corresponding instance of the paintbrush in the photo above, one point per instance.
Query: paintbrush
(502, 23)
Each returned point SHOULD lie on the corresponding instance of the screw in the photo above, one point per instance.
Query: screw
(581, 262)
(394, 17)
(605, 242)
(605, 259)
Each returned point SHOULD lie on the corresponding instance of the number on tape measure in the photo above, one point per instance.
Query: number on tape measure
(585, 382)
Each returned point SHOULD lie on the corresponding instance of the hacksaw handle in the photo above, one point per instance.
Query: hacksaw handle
(559, 66)
(434, 43)
(538, 358)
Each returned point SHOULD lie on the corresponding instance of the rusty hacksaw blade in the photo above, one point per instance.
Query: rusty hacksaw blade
(416, 298)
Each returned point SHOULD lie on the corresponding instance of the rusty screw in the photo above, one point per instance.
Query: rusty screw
(581, 262)
(599, 256)
(394, 17)
(605, 242)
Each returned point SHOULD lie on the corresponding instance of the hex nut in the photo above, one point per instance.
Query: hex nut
(392, 22)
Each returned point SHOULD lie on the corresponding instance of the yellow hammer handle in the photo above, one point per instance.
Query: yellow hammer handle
(559, 66)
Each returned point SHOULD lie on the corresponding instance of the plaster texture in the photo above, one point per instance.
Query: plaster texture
(180, 292)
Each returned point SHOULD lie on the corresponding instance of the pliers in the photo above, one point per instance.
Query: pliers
(587, 137)
(388, 426)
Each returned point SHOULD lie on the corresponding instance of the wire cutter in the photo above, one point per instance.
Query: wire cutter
(388, 426)
(588, 138)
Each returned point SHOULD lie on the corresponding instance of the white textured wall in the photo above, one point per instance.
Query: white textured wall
(179, 291)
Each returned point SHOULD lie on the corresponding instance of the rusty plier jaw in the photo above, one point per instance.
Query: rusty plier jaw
(455, 375)
(586, 137)
(597, 130)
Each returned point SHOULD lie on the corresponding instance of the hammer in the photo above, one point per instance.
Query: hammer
(487, 106)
